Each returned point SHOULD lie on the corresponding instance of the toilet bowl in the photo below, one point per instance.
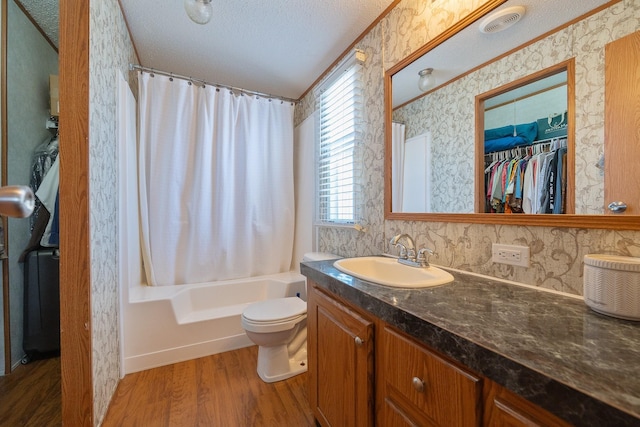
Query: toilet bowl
(279, 327)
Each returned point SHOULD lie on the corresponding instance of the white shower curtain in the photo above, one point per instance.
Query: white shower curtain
(216, 182)
(397, 165)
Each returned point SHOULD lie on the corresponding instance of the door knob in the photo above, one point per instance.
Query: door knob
(359, 341)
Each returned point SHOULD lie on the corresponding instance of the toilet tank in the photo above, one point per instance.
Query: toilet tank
(315, 256)
(319, 256)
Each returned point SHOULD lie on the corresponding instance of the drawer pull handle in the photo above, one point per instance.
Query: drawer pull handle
(617, 207)
(418, 384)
(359, 341)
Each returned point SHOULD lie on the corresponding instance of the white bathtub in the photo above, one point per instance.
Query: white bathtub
(169, 324)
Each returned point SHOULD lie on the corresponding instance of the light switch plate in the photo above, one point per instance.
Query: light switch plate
(510, 254)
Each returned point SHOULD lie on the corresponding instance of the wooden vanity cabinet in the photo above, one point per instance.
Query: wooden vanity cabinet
(418, 387)
(414, 384)
(340, 355)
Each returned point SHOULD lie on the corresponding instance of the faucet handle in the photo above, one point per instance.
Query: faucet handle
(423, 255)
(403, 251)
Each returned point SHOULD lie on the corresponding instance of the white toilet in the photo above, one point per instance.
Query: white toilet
(279, 327)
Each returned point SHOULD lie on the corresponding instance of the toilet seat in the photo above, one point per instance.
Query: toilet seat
(275, 310)
(268, 327)
(274, 315)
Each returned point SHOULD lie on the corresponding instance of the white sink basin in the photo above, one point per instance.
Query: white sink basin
(389, 272)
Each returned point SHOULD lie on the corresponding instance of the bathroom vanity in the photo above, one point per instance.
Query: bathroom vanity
(473, 352)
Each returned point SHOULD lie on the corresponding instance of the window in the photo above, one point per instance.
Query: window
(338, 166)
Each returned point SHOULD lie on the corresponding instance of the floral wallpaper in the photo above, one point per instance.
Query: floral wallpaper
(452, 144)
(111, 51)
(413, 23)
(556, 253)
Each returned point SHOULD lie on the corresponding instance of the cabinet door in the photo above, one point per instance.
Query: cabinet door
(419, 387)
(340, 356)
(503, 408)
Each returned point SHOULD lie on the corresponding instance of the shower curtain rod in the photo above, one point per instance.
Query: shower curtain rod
(133, 67)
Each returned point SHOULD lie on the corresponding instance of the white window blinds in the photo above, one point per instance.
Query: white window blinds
(338, 163)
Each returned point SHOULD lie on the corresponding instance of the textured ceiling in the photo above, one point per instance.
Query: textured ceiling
(277, 46)
(45, 13)
(281, 47)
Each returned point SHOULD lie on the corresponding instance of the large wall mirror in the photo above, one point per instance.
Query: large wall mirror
(553, 68)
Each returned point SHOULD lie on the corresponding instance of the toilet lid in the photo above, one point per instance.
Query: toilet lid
(278, 309)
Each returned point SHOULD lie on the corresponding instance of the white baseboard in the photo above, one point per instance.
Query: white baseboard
(180, 354)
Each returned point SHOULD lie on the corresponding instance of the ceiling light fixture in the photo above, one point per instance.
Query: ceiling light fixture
(199, 11)
(426, 80)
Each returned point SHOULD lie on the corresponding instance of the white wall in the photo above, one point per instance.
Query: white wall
(304, 176)
(528, 109)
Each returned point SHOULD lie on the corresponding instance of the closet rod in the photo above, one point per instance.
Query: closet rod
(133, 67)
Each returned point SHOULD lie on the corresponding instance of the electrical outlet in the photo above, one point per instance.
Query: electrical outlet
(510, 254)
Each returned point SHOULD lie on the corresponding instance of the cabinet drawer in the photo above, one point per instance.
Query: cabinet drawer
(423, 385)
(504, 408)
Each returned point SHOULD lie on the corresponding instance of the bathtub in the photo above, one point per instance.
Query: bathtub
(169, 324)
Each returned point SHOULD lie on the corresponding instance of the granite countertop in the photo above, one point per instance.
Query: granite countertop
(549, 348)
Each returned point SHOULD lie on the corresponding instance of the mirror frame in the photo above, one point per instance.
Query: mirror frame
(593, 221)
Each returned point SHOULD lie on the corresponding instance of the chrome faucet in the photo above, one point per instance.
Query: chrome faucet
(407, 253)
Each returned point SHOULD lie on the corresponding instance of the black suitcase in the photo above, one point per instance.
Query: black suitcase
(41, 303)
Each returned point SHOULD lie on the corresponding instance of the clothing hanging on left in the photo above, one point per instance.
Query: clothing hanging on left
(44, 182)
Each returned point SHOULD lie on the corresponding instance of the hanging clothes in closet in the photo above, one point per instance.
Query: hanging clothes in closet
(42, 159)
(44, 183)
(48, 194)
(531, 179)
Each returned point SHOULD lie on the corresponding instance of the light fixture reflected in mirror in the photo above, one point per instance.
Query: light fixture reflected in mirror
(200, 11)
(426, 80)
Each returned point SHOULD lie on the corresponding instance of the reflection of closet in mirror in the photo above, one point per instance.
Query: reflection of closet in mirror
(523, 145)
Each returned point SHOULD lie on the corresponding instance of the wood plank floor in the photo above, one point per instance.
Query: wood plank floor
(219, 390)
(31, 395)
